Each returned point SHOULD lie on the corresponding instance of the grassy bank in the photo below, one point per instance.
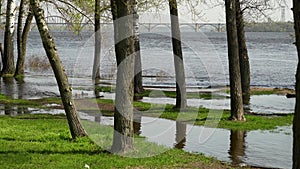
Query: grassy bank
(43, 141)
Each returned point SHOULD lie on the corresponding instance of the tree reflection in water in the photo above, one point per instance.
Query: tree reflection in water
(237, 146)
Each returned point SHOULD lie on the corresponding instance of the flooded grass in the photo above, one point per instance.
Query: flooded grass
(201, 116)
(204, 118)
(197, 116)
(44, 141)
(33, 103)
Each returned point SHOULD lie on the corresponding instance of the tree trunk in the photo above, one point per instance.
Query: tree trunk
(243, 54)
(180, 139)
(296, 123)
(22, 36)
(178, 57)
(237, 112)
(8, 59)
(138, 78)
(124, 47)
(96, 66)
(25, 34)
(59, 72)
(19, 38)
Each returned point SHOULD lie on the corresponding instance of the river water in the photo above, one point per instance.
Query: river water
(272, 57)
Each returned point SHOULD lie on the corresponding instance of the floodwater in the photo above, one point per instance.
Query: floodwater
(273, 64)
(272, 149)
(272, 55)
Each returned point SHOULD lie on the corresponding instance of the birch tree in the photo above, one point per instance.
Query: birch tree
(8, 58)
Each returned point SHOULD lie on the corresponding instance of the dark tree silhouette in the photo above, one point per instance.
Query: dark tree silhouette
(296, 123)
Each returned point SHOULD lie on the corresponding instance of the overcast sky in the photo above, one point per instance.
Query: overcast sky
(215, 13)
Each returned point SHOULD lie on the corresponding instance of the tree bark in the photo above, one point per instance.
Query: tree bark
(22, 36)
(178, 57)
(296, 122)
(237, 112)
(19, 38)
(243, 54)
(96, 66)
(124, 47)
(180, 139)
(138, 78)
(8, 59)
(59, 72)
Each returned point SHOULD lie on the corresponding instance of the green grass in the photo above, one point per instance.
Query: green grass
(44, 141)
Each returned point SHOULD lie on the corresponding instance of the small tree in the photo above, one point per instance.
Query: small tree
(97, 52)
(60, 75)
(22, 36)
(178, 57)
(138, 78)
(243, 54)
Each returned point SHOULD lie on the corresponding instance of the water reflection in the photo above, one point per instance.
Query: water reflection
(21, 92)
(180, 136)
(14, 88)
(8, 88)
(237, 146)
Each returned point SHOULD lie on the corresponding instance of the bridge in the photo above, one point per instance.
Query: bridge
(218, 27)
(150, 27)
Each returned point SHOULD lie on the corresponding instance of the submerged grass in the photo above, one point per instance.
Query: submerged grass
(7, 100)
(44, 141)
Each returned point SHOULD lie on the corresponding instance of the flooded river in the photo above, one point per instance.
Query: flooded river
(273, 64)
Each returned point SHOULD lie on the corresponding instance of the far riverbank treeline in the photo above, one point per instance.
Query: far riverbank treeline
(269, 27)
